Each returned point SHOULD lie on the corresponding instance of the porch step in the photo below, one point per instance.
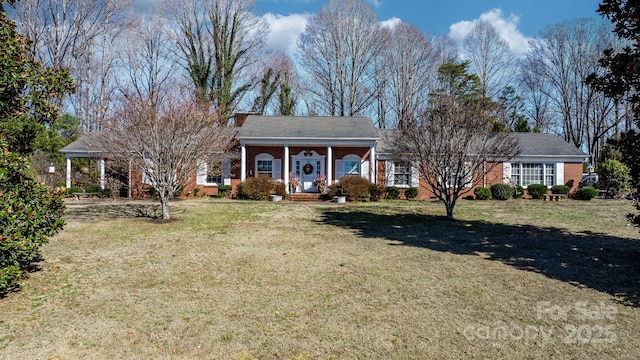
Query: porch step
(305, 197)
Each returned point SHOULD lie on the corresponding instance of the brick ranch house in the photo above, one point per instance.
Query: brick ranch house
(309, 146)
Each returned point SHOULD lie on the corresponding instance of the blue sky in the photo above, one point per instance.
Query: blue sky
(438, 15)
(516, 20)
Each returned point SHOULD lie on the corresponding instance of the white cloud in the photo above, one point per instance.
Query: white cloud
(391, 23)
(507, 27)
(285, 31)
(375, 3)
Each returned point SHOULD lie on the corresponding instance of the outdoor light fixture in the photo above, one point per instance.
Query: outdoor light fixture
(589, 168)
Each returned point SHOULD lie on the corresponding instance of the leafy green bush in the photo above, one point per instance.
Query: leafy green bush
(615, 178)
(257, 188)
(501, 191)
(537, 191)
(224, 191)
(411, 193)
(587, 193)
(93, 189)
(482, 193)
(393, 193)
(518, 192)
(376, 192)
(74, 189)
(355, 187)
(560, 189)
(29, 214)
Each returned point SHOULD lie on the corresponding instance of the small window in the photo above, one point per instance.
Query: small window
(351, 167)
(401, 173)
(264, 167)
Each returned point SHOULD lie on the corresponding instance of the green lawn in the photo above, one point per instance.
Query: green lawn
(389, 280)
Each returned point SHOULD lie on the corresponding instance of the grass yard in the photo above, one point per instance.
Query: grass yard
(520, 279)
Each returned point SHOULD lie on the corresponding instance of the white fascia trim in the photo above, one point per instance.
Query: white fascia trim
(309, 141)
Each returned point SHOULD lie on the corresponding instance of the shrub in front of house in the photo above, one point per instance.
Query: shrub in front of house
(537, 191)
(93, 189)
(501, 191)
(411, 193)
(376, 192)
(393, 193)
(587, 193)
(74, 189)
(224, 191)
(280, 189)
(482, 193)
(355, 187)
(256, 188)
(560, 189)
(518, 192)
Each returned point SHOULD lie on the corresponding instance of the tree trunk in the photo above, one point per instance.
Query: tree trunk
(449, 206)
(164, 203)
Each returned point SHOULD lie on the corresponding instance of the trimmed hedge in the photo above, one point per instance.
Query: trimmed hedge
(587, 193)
(393, 193)
(411, 193)
(74, 189)
(537, 191)
(518, 192)
(482, 193)
(560, 189)
(501, 191)
(225, 191)
(376, 192)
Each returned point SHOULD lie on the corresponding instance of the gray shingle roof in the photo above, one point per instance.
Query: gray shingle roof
(531, 145)
(84, 144)
(540, 144)
(307, 127)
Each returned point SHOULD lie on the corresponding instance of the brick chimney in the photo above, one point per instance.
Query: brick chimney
(239, 118)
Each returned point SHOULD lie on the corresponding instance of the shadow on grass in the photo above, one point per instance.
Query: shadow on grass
(96, 211)
(598, 261)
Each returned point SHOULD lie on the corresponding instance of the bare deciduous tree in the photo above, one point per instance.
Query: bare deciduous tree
(78, 35)
(409, 67)
(337, 51)
(453, 143)
(560, 61)
(165, 141)
(491, 57)
(147, 65)
(218, 41)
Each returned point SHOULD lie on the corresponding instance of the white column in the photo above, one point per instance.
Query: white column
(102, 173)
(286, 168)
(329, 165)
(68, 173)
(243, 162)
(372, 164)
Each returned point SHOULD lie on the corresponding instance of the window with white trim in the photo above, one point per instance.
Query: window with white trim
(214, 175)
(401, 173)
(266, 165)
(525, 174)
(351, 167)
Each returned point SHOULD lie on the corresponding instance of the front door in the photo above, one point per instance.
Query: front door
(308, 169)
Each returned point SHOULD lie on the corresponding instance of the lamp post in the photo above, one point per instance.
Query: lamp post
(52, 172)
(589, 178)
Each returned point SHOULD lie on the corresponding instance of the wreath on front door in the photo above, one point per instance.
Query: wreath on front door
(308, 169)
